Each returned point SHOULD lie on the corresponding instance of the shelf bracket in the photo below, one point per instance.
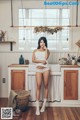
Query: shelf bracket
(11, 46)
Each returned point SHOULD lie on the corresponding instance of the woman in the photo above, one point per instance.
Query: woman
(40, 56)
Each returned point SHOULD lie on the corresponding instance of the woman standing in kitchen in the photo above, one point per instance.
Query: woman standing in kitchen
(40, 57)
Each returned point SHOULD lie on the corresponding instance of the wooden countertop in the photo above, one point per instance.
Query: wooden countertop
(70, 66)
(18, 65)
(62, 66)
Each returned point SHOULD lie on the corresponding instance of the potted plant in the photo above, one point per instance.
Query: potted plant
(73, 60)
(2, 35)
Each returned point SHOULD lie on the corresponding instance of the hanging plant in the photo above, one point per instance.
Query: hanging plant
(47, 29)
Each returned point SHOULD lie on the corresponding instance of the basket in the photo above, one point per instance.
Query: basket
(22, 99)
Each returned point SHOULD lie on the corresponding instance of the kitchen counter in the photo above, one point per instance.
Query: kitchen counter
(13, 65)
(18, 65)
(63, 79)
(29, 72)
(70, 66)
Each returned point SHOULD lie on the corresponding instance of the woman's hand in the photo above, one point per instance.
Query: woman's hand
(45, 48)
(44, 62)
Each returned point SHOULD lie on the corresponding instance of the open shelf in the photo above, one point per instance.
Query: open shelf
(11, 44)
(44, 26)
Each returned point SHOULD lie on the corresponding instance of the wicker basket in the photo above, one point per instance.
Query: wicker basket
(22, 99)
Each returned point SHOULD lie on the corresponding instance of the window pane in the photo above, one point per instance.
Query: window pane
(65, 34)
(22, 13)
(51, 37)
(21, 44)
(22, 22)
(43, 17)
(65, 21)
(37, 22)
(65, 13)
(52, 46)
(52, 13)
(36, 13)
(52, 22)
(65, 45)
(23, 33)
(36, 36)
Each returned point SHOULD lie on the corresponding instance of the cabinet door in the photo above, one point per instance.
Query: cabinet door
(70, 84)
(17, 79)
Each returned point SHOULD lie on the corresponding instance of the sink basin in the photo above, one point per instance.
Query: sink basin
(53, 67)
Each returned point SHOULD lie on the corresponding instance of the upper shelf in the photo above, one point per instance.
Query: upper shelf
(7, 41)
(46, 26)
(11, 44)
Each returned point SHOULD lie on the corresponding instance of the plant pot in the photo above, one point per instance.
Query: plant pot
(73, 62)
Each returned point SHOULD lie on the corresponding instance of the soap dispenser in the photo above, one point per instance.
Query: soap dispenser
(21, 59)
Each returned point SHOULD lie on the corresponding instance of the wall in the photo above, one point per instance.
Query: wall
(7, 57)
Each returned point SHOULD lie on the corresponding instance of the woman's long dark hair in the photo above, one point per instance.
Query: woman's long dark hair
(45, 41)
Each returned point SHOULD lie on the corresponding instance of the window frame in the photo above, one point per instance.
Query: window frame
(60, 9)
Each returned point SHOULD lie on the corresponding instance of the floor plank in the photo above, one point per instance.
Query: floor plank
(51, 113)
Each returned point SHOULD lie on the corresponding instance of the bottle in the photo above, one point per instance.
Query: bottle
(21, 60)
(69, 59)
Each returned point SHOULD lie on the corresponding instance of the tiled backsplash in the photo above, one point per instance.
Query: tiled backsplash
(13, 57)
(55, 56)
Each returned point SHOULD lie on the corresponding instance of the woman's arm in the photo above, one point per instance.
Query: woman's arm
(37, 61)
(47, 54)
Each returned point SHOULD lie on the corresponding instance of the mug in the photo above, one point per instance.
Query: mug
(27, 62)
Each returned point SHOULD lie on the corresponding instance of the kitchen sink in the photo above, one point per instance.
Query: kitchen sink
(53, 67)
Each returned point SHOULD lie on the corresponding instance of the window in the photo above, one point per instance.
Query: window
(43, 17)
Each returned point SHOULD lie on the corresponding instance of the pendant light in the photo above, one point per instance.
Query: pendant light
(67, 27)
(11, 13)
(23, 20)
(77, 14)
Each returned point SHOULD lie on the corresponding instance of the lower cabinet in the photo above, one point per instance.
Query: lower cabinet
(70, 84)
(17, 79)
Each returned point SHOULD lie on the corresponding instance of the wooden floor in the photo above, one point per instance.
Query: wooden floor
(51, 113)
